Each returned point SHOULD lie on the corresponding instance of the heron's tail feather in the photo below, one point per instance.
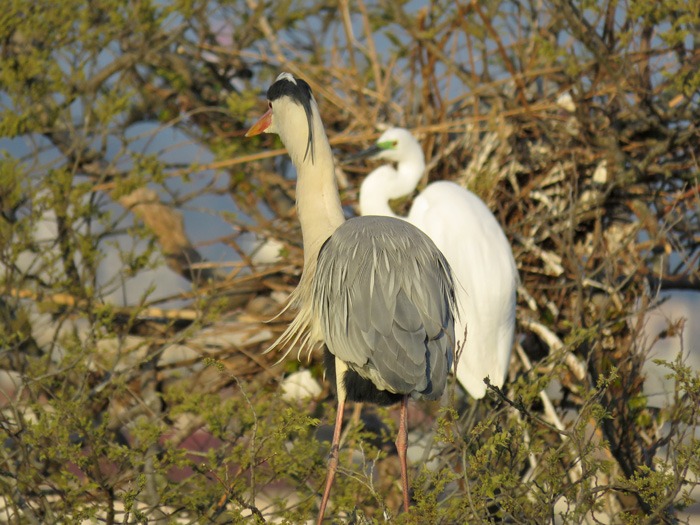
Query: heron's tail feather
(299, 333)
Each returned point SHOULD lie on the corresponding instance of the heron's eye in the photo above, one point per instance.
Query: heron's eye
(395, 143)
(269, 105)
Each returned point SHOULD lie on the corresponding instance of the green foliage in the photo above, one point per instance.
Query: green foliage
(151, 412)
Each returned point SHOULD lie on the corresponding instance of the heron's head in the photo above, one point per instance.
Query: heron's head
(290, 109)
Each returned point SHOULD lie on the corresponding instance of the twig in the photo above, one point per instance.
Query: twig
(520, 407)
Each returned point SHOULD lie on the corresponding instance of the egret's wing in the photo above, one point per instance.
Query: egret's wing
(485, 275)
(384, 296)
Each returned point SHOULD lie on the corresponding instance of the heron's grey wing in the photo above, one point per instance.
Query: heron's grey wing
(384, 296)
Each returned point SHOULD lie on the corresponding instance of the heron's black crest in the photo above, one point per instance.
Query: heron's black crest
(300, 92)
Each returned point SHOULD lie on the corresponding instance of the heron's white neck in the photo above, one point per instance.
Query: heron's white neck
(387, 183)
(318, 203)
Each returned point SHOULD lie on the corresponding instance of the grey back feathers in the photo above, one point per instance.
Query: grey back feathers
(385, 299)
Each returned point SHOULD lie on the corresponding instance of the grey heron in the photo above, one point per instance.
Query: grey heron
(467, 233)
(375, 292)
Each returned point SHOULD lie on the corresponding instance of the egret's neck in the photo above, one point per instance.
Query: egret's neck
(387, 183)
(318, 203)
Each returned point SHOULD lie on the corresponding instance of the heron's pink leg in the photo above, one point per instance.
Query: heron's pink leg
(333, 460)
(401, 447)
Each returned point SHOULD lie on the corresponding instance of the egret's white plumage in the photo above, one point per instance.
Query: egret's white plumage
(470, 237)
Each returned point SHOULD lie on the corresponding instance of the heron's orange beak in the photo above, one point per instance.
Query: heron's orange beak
(261, 125)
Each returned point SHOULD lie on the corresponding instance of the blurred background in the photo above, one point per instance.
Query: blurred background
(146, 247)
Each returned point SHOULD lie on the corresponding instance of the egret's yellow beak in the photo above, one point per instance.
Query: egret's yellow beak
(261, 125)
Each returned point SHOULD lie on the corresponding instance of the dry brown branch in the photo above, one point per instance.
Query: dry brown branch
(577, 126)
(168, 227)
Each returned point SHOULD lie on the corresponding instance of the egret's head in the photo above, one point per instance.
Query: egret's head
(395, 145)
(290, 108)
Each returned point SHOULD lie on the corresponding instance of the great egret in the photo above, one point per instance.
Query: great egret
(375, 291)
(465, 230)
